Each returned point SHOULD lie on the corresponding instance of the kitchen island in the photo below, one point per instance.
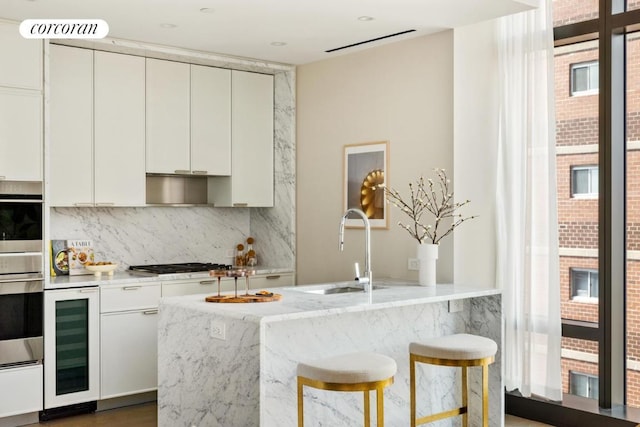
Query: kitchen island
(235, 364)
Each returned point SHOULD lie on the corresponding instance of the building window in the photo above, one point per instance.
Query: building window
(584, 181)
(584, 284)
(584, 385)
(584, 78)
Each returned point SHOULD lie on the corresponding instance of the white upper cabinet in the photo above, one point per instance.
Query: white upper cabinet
(20, 135)
(71, 127)
(97, 128)
(119, 142)
(251, 182)
(210, 121)
(20, 106)
(188, 119)
(167, 117)
(21, 59)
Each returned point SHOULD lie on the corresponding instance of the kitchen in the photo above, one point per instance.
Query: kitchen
(136, 234)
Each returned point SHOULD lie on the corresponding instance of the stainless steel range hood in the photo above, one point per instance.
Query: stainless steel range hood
(177, 190)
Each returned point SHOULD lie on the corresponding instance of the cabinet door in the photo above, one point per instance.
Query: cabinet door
(21, 59)
(119, 102)
(252, 143)
(167, 116)
(210, 120)
(129, 353)
(71, 126)
(20, 135)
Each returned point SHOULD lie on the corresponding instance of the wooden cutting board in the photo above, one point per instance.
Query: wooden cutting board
(243, 298)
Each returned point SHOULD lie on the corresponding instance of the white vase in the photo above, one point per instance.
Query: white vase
(427, 254)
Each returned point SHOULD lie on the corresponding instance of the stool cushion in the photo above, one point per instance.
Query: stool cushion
(349, 368)
(455, 347)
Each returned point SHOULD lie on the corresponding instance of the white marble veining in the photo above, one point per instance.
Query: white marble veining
(249, 378)
(145, 235)
(153, 235)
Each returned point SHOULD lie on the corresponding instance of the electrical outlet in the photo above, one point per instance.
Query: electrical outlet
(217, 330)
(456, 305)
(413, 264)
(229, 253)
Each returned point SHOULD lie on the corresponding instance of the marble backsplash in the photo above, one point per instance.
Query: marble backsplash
(153, 235)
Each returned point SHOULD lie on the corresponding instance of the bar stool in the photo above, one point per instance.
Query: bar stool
(460, 350)
(348, 372)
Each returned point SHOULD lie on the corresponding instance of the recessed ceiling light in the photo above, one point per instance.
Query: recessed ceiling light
(365, 18)
(278, 44)
(207, 10)
(167, 25)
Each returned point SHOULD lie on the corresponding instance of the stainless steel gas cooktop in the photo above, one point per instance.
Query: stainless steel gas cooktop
(177, 268)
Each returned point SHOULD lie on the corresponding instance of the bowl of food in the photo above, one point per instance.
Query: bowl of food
(101, 267)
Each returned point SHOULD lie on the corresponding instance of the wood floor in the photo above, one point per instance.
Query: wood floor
(146, 415)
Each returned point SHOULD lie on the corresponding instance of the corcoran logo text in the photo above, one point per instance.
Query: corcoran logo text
(64, 28)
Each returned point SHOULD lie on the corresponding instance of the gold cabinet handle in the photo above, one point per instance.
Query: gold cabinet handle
(275, 276)
(149, 312)
(241, 205)
(131, 288)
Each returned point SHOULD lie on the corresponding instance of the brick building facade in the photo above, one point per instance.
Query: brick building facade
(577, 157)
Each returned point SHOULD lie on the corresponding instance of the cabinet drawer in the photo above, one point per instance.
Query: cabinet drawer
(26, 390)
(202, 286)
(267, 281)
(129, 297)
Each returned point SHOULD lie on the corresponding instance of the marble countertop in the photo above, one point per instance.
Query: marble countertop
(296, 303)
(124, 277)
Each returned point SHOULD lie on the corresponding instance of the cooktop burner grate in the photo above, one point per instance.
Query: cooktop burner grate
(176, 268)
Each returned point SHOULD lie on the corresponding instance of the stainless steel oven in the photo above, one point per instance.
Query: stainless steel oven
(21, 218)
(21, 274)
(21, 321)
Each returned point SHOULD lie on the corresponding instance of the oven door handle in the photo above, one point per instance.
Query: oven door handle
(23, 278)
(20, 200)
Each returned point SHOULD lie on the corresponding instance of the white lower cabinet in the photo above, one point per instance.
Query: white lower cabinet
(210, 286)
(268, 281)
(129, 339)
(23, 390)
(176, 288)
(129, 352)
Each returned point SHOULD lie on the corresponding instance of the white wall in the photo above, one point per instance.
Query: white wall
(401, 92)
(475, 144)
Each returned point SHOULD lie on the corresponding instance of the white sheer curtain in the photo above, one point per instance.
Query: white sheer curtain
(527, 257)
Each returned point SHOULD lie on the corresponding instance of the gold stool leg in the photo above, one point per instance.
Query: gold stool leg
(412, 391)
(300, 405)
(465, 404)
(380, 404)
(367, 409)
(485, 395)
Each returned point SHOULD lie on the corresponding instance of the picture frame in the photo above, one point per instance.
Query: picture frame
(365, 167)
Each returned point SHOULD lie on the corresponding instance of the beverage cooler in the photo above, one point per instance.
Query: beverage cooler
(71, 347)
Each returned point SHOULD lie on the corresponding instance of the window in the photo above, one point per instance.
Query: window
(584, 385)
(584, 181)
(584, 78)
(584, 284)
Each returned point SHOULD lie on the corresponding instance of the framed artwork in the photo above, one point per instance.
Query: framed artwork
(365, 169)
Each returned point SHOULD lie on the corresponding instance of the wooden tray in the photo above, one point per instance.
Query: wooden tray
(243, 298)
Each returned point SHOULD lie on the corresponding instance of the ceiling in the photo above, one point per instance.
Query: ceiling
(249, 28)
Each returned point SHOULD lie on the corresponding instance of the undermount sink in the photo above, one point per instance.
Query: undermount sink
(337, 289)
